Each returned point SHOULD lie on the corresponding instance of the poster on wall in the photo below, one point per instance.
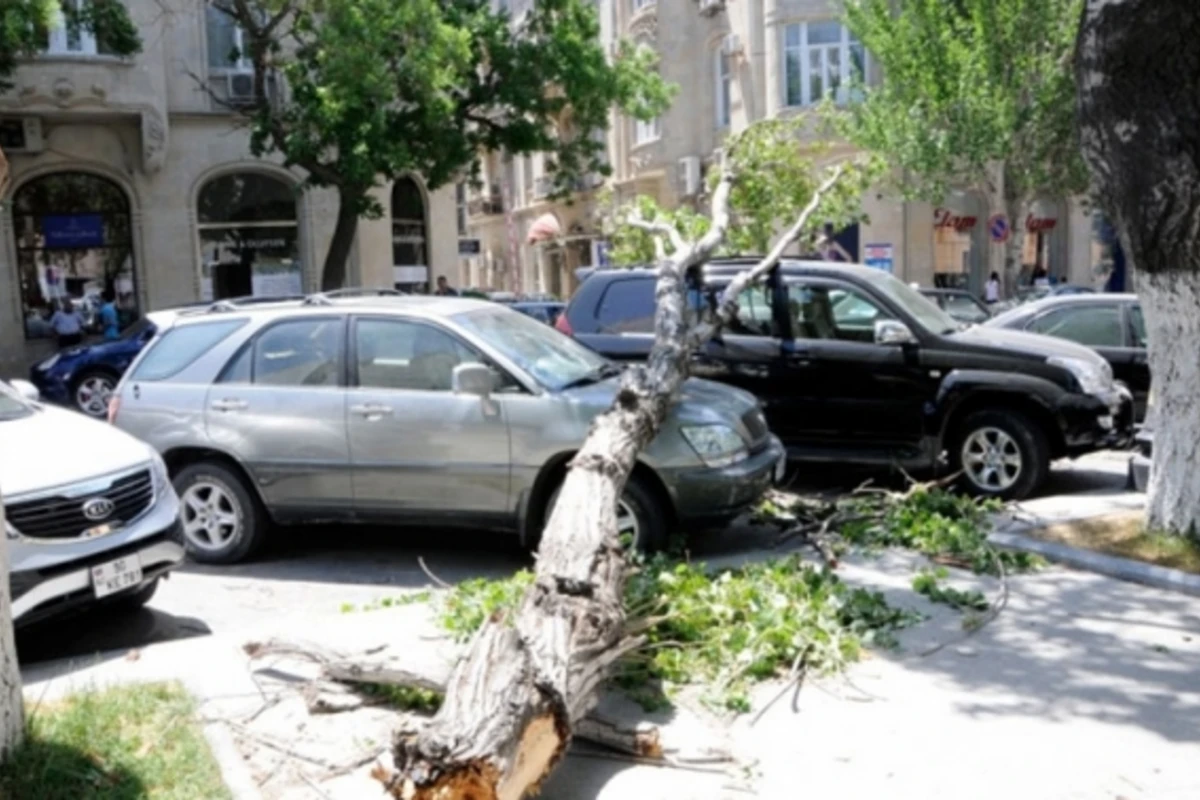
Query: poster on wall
(258, 262)
(879, 256)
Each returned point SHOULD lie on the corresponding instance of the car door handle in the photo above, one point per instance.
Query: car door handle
(229, 404)
(371, 410)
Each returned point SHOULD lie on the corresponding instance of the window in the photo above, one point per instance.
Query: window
(821, 59)
(963, 308)
(724, 80)
(836, 313)
(1139, 326)
(180, 347)
(645, 131)
(410, 261)
(68, 38)
(303, 352)
(639, 5)
(460, 201)
(395, 354)
(226, 42)
(249, 243)
(1094, 326)
(627, 306)
(755, 316)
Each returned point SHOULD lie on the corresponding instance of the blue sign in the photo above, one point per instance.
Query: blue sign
(998, 228)
(73, 230)
(879, 256)
(601, 253)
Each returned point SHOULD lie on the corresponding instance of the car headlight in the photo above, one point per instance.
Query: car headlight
(1093, 378)
(48, 363)
(158, 469)
(717, 445)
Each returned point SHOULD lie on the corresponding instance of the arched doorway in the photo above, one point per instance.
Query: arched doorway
(74, 243)
(249, 237)
(410, 258)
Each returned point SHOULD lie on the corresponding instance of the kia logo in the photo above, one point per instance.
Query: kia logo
(98, 508)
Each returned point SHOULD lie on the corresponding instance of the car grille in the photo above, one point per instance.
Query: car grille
(756, 425)
(62, 516)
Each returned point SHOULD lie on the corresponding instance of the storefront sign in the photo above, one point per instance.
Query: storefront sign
(469, 247)
(998, 228)
(945, 218)
(879, 256)
(73, 230)
(1039, 224)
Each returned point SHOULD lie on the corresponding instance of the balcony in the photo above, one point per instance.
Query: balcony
(486, 205)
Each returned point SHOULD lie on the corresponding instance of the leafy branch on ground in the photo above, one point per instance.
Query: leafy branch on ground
(927, 583)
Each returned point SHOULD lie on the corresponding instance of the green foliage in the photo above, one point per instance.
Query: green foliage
(25, 25)
(412, 598)
(724, 630)
(404, 698)
(122, 743)
(927, 582)
(966, 85)
(776, 175)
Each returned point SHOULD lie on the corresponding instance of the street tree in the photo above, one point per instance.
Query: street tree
(24, 29)
(1139, 122)
(512, 702)
(973, 95)
(374, 89)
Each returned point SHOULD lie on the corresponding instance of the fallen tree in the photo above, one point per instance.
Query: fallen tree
(513, 702)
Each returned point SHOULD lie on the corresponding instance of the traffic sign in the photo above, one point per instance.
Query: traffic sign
(998, 228)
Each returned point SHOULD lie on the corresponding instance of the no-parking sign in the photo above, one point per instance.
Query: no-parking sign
(998, 228)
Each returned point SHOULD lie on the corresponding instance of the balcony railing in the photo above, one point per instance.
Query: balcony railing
(491, 203)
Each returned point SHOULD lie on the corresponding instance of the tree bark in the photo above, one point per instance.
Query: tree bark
(1014, 248)
(511, 705)
(333, 272)
(12, 713)
(1138, 130)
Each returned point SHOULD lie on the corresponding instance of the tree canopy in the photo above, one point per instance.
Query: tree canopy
(377, 89)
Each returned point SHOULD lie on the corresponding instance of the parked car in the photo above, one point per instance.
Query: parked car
(1110, 324)
(960, 304)
(84, 377)
(853, 366)
(99, 526)
(425, 410)
(543, 311)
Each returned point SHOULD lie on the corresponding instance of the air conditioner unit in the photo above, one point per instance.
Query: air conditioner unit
(240, 87)
(731, 45)
(710, 7)
(689, 176)
(21, 135)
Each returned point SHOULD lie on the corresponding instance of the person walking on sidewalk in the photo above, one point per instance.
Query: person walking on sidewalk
(67, 324)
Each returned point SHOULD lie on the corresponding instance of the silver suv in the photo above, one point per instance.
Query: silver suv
(436, 411)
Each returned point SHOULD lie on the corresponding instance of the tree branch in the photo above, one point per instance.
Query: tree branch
(659, 229)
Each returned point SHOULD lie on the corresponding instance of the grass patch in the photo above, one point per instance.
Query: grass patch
(123, 743)
(1125, 536)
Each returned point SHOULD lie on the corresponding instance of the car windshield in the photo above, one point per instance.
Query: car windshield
(552, 359)
(11, 406)
(920, 307)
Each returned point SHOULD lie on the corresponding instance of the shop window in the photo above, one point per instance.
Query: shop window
(410, 262)
(74, 246)
(1042, 252)
(249, 238)
(958, 252)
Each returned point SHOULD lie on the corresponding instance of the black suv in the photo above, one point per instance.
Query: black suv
(854, 366)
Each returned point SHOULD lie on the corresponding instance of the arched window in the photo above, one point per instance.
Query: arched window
(74, 244)
(249, 243)
(410, 261)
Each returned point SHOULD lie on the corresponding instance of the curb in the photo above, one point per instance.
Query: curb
(234, 771)
(1120, 568)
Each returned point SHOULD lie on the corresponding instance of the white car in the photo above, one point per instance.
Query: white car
(90, 514)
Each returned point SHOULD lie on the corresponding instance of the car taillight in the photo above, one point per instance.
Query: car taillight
(563, 325)
(114, 406)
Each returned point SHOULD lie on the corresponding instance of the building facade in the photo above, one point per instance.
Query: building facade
(736, 62)
(132, 175)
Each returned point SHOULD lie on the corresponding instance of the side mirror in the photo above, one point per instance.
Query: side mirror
(477, 379)
(892, 332)
(26, 389)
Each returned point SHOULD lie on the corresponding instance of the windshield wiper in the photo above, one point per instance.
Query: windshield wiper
(600, 373)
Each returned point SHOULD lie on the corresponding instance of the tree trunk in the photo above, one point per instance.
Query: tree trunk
(333, 273)
(511, 705)
(1138, 124)
(12, 715)
(1014, 248)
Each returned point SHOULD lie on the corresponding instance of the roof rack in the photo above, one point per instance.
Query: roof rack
(325, 298)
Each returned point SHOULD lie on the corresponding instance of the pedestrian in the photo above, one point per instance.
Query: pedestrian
(444, 288)
(991, 291)
(109, 319)
(67, 324)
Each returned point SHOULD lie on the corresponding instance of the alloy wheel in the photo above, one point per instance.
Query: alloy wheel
(212, 519)
(991, 459)
(92, 395)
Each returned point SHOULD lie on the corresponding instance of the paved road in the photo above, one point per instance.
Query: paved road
(315, 571)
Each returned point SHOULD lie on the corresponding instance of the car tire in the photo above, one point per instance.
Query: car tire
(643, 505)
(223, 521)
(135, 599)
(1001, 454)
(98, 383)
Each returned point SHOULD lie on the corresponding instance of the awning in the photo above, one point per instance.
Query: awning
(544, 228)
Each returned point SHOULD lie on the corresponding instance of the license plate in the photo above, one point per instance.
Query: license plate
(114, 576)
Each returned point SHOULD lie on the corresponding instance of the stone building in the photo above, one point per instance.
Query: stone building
(127, 174)
(735, 62)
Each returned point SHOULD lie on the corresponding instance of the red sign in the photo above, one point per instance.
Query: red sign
(1039, 224)
(945, 218)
